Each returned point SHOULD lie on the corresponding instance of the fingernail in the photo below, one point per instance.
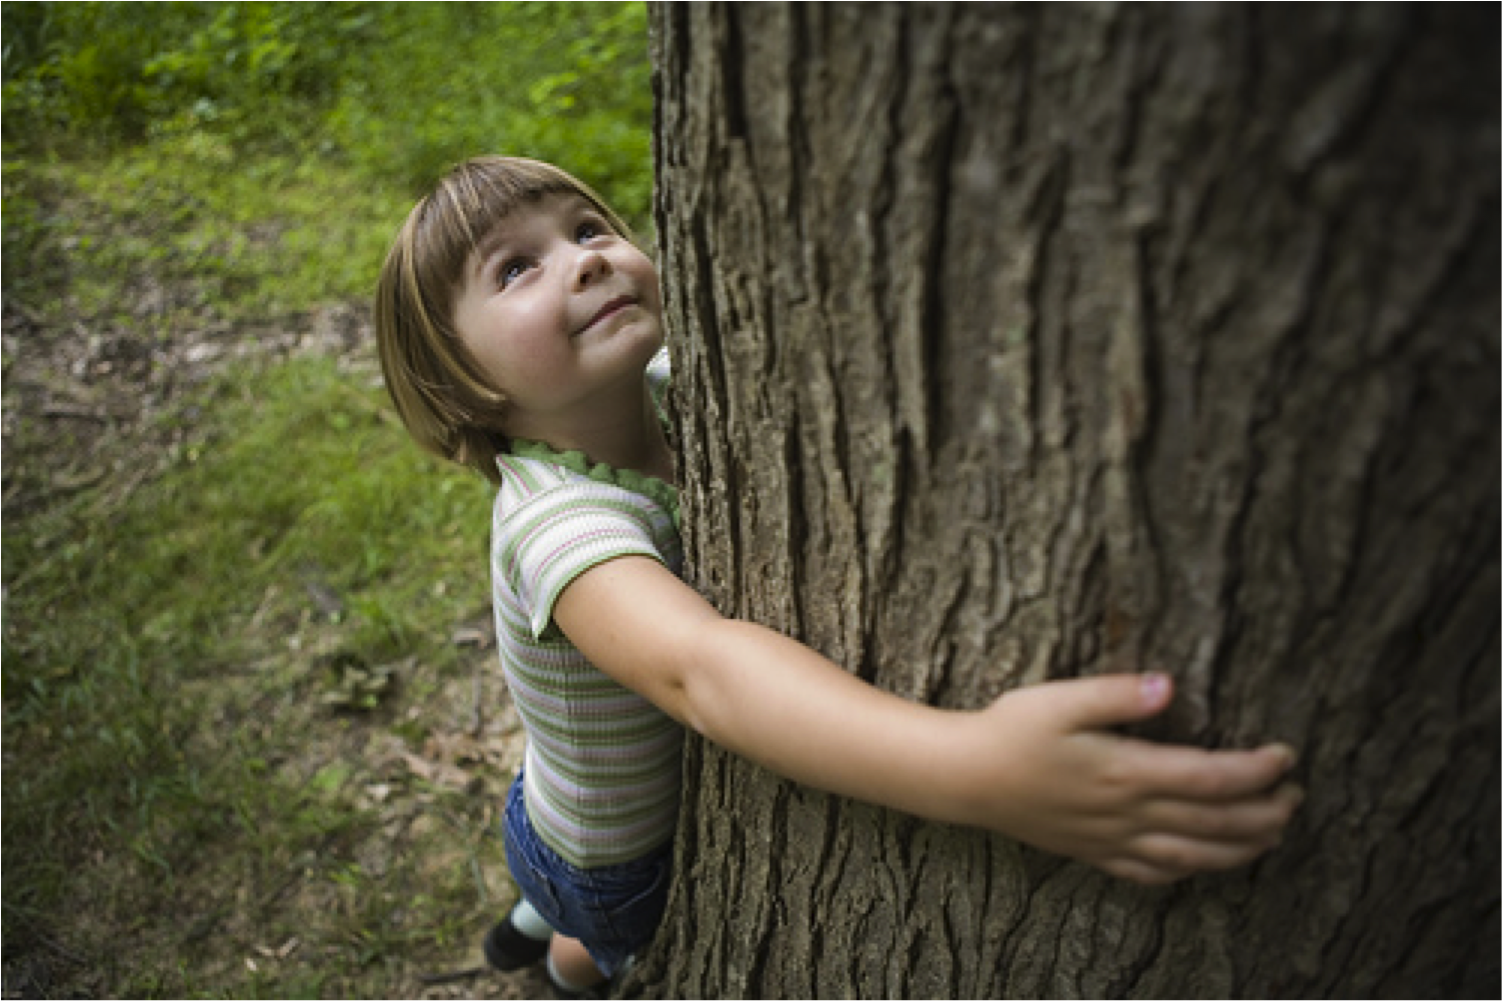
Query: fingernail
(1155, 687)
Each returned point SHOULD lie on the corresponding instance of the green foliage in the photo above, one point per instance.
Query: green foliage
(567, 83)
(399, 90)
(265, 153)
(31, 259)
(115, 68)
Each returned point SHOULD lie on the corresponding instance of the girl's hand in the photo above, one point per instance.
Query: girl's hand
(1043, 766)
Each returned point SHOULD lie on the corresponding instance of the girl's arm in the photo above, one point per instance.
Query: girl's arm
(1039, 764)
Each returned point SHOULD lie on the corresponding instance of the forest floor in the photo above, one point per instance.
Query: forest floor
(82, 409)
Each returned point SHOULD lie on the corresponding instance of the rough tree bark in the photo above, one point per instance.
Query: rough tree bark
(1030, 341)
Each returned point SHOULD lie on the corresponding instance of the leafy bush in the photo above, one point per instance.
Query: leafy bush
(568, 83)
(107, 70)
(399, 91)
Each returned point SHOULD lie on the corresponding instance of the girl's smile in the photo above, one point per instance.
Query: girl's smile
(610, 309)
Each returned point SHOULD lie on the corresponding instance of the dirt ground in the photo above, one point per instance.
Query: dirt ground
(90, 392)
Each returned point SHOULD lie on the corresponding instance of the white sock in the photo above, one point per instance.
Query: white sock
(563, 981)
(530, 923)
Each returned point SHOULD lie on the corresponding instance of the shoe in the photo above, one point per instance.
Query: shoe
(507, 949)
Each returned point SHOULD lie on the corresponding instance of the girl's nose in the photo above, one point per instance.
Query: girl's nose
(590, 267)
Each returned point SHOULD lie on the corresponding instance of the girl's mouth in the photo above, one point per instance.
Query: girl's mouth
(609, 309)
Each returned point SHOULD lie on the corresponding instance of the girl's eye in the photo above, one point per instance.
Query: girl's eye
(513, 269)
(587, 231)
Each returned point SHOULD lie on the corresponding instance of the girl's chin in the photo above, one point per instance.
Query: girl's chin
(635, 334)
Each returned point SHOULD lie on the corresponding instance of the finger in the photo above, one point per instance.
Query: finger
(1258, 819)
(1138, 871)
(1169, 857)
(1110, 700)
(1193, 773)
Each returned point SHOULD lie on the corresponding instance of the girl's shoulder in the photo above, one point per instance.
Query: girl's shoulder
(525, 479)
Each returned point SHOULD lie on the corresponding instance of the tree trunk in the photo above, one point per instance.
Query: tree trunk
(1031, 341)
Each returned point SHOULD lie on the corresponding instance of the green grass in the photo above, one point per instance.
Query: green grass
(300, 473)
(174, 714)
(233, 238)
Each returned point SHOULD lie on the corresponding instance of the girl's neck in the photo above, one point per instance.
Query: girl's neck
(626, 436)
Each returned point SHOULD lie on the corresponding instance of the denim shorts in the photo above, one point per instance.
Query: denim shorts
(614, 910)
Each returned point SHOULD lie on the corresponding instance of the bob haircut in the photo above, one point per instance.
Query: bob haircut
(440, 393)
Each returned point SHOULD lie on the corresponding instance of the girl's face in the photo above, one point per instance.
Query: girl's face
(558, 308)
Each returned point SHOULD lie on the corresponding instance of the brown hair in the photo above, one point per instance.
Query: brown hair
(440, 392)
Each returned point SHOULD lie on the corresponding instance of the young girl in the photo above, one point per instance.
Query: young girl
(521, 333)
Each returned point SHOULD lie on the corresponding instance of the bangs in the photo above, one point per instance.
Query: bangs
(470, 203)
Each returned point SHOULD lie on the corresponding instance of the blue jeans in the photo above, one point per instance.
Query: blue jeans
(614, 910)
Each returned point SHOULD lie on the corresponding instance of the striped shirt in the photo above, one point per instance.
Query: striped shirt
(602, 762)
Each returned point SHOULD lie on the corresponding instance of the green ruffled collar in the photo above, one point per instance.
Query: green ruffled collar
(665, 495)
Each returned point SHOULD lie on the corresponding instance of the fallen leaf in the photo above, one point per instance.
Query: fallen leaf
(437, 772)
(471, 636)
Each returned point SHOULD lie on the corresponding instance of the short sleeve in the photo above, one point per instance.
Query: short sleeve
(544, 544)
